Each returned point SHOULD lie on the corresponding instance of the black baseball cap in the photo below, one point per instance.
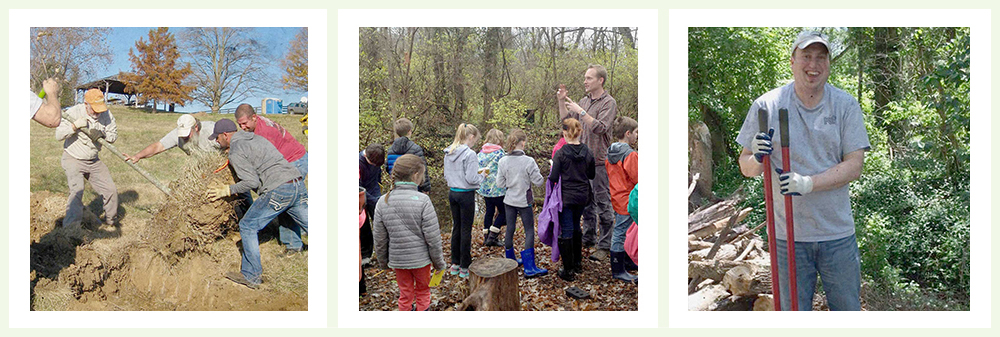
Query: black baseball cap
(222, 126)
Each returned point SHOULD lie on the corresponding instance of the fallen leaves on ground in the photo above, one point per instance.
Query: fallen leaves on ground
(540, 293)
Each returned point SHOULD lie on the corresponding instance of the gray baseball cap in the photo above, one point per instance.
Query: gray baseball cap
(807, 38)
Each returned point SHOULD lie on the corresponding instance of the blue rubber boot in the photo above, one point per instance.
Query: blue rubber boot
(509, 253)
(530, 270)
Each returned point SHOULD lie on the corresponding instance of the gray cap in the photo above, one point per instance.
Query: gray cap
(807, 38)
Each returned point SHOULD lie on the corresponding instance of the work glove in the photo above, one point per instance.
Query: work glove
(761, 145)
(217, 192)
(793, 183)
(95, 133)
(80, 123)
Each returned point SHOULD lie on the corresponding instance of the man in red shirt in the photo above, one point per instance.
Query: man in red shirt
(290, 148)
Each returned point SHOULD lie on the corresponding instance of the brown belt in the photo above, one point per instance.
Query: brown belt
(294, 180)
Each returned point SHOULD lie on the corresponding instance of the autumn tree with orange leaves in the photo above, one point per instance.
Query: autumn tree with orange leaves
(296, 63)
(156, 75)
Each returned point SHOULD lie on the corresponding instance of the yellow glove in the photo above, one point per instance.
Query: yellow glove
(217, 192)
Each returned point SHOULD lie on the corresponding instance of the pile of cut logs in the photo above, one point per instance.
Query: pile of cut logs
(728, 266)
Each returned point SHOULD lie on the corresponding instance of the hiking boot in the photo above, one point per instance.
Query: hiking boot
(239, 279)
(289, 252)
(600, 254)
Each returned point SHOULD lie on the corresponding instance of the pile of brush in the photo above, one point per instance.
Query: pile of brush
(189, 221)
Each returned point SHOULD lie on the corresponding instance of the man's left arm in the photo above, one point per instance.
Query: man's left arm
(600, 121)
(839, 175)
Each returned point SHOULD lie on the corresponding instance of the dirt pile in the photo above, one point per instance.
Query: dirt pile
(173, 261)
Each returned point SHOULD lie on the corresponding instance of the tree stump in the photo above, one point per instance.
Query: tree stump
(493, 286)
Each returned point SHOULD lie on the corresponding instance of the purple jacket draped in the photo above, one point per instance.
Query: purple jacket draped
(548, 219)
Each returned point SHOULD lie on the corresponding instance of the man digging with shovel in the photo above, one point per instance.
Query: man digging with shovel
(826, 143)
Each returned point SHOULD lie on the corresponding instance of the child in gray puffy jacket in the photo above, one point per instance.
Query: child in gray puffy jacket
(405, 218)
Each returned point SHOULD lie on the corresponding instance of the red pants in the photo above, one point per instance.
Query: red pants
(414, 285)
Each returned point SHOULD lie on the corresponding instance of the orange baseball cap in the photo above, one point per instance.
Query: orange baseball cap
(95, 98)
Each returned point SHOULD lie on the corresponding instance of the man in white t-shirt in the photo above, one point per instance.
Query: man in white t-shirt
(190, 134)
(827, 147)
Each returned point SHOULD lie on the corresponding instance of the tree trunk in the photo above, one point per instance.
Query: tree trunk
(490, 73)
(493, 284)
(743, 280)
(705, 299)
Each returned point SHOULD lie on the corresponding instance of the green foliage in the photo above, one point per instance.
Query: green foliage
(508, 114)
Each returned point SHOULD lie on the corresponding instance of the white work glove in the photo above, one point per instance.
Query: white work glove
(793, 183)
(80, 123)
(761, 145)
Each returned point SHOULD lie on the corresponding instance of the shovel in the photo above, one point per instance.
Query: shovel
(772, 243)
(786, 166)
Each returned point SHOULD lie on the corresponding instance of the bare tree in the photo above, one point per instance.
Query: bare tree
(72, 54)
(228, 64)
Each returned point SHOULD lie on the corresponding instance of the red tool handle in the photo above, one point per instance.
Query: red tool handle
(786, 166)
(772, 242)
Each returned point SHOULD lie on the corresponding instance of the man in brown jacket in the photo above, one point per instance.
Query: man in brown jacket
(596, 111)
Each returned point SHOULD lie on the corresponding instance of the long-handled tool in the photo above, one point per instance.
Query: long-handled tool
(119, 154)
(786, 166)
(772, 243)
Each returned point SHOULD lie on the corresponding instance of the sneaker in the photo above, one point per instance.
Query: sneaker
(454, 270)
(289, 252)
(600, 255)
(239, 279)
(463, 273)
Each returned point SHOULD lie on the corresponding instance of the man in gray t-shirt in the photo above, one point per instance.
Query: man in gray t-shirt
(828, 141)
(190, 134)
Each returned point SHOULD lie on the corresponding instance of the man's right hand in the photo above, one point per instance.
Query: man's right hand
(133, 159)
(51, 88)
(761, 145)
(80, 123)
(561, 93)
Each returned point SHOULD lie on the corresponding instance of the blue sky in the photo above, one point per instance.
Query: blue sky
(277, 39)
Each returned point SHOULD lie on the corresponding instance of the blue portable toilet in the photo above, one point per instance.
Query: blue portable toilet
(270, 106)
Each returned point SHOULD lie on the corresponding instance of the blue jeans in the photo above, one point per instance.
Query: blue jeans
(569, 221)
(290, 197)
(622, 224)
(288, 233)
(836, 262)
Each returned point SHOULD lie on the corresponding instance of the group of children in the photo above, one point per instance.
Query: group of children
(404, 230)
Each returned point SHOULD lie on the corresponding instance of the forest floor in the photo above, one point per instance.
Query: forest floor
(537, 294)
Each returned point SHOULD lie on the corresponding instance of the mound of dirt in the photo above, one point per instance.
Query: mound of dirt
(173, 261)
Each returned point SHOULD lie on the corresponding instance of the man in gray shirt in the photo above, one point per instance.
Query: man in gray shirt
(280, 187)
(189, 134)
(827, 146)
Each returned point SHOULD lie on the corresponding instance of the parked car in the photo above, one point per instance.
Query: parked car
(298, 108)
